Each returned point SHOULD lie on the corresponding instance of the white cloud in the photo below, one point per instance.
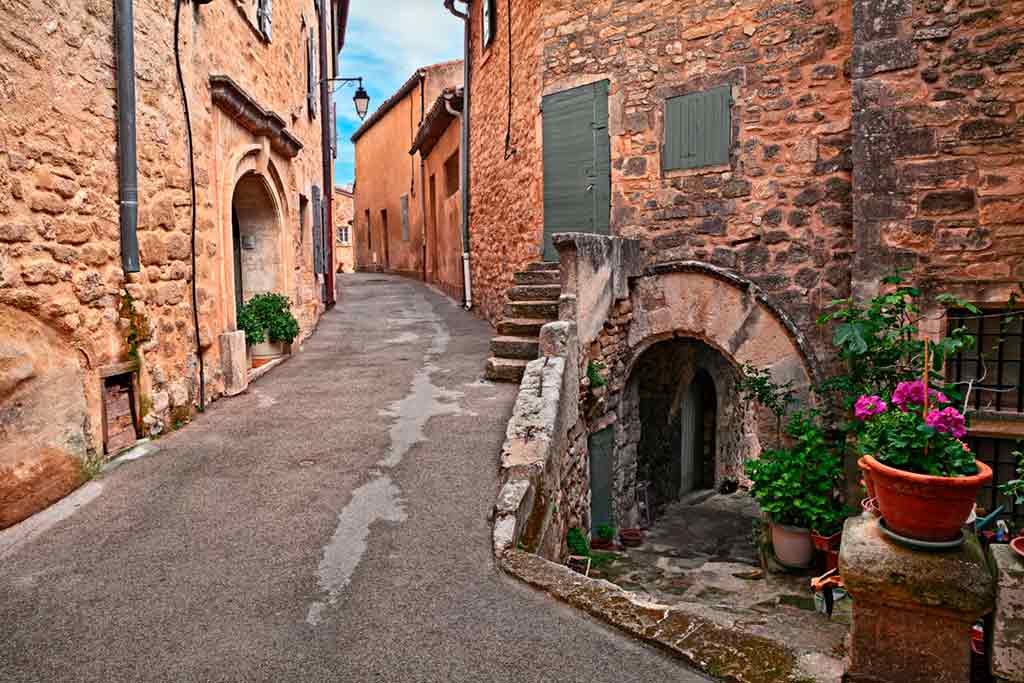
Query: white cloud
(386, 41)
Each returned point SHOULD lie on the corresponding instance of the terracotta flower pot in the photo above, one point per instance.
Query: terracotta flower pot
(825, 543)
(792, 545)
(924, 507)
(631, 538)
(862, 464)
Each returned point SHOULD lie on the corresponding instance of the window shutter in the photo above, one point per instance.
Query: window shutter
(404, 202)
(698, 129)
(311, 57)
(487, 17)
(318, 232)
(264, 18)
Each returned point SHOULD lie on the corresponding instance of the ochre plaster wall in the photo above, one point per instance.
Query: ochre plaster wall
(444, 238)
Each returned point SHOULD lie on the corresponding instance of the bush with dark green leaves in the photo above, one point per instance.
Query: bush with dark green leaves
(268, 315)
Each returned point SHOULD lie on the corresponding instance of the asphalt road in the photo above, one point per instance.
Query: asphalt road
(328, 525)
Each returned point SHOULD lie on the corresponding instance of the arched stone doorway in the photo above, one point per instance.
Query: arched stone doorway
(684, 428)
(256, 243)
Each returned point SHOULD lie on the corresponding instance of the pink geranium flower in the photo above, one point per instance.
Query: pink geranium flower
(912, 394)
(948, 420)
(868, 406)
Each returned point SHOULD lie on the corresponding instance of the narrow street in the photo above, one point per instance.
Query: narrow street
(329, 524)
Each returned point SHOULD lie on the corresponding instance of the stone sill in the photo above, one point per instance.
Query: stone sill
(719, 650)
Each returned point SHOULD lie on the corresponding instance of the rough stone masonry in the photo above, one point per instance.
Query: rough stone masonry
(68, 313)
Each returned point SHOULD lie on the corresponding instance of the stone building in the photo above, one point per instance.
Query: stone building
(750, 162)
(389, 202)
(344, 232)
(93, 354)
(437, 144)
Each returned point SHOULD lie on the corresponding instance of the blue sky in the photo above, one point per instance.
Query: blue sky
(386, 41)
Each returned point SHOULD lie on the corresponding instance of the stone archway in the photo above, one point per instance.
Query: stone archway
(256, 239)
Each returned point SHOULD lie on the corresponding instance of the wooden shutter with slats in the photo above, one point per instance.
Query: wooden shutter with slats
(698, 130)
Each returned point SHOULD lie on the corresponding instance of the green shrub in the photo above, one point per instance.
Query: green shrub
(577, 542)
(268, 315)
(605, 532)
(796, 485)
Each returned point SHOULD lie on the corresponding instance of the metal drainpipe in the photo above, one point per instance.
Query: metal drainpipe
(326, 157)
(464, 145)
(128, 167)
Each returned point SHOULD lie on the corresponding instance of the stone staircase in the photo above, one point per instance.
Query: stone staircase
(531, 302)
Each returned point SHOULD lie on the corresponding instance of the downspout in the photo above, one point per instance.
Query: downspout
(464, 158)
(128, 166)
(325, 149)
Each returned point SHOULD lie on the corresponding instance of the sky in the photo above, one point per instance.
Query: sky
(386, 41)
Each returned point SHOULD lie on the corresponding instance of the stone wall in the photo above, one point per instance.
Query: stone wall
(59, 240)
(939, 187)
(507, 204)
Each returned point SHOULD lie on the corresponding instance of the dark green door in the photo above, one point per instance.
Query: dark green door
(599, 447)
(577, 163)
(236, 239)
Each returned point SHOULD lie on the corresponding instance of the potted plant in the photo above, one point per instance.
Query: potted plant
(795, 487)
(604, 537)
(924, 477)
(268, 324)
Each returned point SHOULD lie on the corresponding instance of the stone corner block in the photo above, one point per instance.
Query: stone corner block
(1008, 618)
(234, 362)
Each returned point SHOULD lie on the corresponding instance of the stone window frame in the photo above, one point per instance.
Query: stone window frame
(732, 79)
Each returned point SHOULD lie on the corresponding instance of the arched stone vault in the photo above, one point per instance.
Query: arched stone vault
(726, 312)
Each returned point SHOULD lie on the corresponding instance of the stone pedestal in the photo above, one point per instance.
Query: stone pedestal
(1007, 642)
(912, 610)
(234, 362)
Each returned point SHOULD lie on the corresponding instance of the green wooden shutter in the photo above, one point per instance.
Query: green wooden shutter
(599, 447)
(577, 163)
(698, 129)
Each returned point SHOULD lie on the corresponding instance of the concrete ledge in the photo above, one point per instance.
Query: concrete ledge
(723, 652)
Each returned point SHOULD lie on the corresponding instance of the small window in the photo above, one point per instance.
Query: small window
(698, 130)
(995, 364)
(489, 22)
(264, 18)
(451, 174)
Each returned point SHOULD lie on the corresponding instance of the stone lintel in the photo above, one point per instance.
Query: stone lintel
(244, 109)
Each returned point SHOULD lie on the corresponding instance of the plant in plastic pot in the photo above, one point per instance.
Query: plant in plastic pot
(924, 477)
(604, 537)
(795, 486)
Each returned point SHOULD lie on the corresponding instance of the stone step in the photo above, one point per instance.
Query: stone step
(505, 369)
(547, 310)
(534, 293)
(543, 265)
(521, 327)
(506, 346)
(537, 277)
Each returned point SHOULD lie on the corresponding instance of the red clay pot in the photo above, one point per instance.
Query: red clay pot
(825, 543)
(923, 507)
(862, 464)
(631, 538)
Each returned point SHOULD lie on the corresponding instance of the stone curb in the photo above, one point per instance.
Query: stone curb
(724, 653)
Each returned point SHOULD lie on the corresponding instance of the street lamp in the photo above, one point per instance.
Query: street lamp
(362, 101)
(361, 98)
